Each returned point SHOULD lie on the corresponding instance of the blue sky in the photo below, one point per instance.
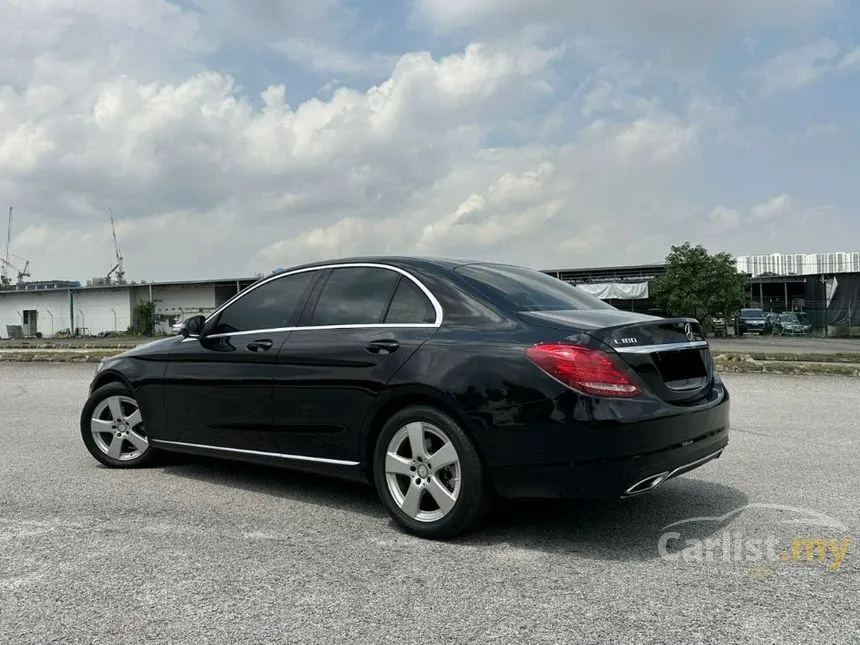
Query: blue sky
(555, 132)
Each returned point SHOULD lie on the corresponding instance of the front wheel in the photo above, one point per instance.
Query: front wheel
(112, 428)
(428, 474)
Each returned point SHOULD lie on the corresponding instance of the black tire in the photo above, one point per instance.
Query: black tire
(473, 500)
(91, 407)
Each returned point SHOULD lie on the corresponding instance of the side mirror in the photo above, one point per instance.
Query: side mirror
(192, 327)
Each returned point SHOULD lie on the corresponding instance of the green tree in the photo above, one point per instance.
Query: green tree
(699, 284)
(144, 312)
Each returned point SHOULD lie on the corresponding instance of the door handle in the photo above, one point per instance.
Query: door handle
(260, 345)
(383, 346)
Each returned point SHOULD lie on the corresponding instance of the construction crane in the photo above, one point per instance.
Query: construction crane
(22, 273)
(118, 268)
(4, 271)
(6, 263)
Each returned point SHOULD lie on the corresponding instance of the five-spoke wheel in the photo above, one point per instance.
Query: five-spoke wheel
(112, 427)
(422, 471)
(428, 474)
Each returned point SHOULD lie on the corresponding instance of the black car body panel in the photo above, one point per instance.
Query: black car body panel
(314, 396)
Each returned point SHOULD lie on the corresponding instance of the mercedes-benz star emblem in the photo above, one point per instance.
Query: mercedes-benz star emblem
(688, 331)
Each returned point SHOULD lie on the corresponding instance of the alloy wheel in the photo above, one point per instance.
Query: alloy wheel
(117, 428)
(422, 471)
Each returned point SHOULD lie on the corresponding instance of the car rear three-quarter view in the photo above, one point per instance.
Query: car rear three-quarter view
(445, 384)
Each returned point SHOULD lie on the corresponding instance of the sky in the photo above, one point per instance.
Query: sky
(233, 137)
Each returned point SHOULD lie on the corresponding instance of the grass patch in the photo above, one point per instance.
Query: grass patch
(90, 356)
(788, 367)
(787, 357)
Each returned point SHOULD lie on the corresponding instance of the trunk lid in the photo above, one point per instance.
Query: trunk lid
(670, 355)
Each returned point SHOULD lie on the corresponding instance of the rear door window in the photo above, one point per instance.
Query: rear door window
(410, 306)
(523, 289)
(355, 296)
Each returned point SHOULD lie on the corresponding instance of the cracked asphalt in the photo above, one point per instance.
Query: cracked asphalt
(203, 551)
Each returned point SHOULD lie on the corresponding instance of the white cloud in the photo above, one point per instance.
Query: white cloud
(797, 67)
(322, 57)
(822, 130)
(688, 21)
(851, 60)
(546, 154)
(778, 222)
(774, 208)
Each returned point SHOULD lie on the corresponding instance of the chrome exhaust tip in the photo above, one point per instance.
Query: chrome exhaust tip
(644, 485)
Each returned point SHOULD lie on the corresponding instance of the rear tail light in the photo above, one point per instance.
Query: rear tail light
(580, 368)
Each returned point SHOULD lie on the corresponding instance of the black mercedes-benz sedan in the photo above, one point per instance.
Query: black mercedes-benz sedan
(444, 384)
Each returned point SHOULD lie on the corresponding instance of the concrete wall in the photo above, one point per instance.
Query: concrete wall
(100, 310)
(52, 307)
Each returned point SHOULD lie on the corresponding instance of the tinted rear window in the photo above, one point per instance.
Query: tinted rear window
(525, 289)
(752, 313)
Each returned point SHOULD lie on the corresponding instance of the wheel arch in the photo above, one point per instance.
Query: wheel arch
(108, 376)
(398, 399)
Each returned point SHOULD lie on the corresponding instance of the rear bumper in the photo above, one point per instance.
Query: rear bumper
(622, 468)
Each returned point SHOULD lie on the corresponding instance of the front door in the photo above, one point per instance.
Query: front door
(365, 324)
(218, 388)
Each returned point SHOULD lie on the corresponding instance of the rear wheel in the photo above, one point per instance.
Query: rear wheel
(428, 474)
(112, 428)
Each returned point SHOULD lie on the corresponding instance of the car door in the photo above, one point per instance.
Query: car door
(218, 388)
(361, 326)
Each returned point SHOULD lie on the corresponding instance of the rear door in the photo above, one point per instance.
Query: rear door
(218, 388)
(362, 325)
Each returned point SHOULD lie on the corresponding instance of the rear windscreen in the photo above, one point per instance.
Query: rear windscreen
(524, 289)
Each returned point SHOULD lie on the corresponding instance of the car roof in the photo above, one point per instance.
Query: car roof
(400, 261)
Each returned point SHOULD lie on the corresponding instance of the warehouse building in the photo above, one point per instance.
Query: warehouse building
(62, 309)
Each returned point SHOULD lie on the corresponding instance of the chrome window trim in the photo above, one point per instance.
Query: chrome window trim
(324, 460)
(647, 349)
(437, 306)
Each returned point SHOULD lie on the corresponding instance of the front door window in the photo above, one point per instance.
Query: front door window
(273, 305)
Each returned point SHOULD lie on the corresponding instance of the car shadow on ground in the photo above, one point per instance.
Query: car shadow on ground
(625, 530)
(622, 529)
(307, 488)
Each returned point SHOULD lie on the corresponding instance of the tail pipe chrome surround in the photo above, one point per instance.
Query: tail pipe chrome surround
(649, 483)
(652, 481)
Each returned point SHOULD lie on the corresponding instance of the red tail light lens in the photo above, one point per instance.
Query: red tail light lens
(586, 370)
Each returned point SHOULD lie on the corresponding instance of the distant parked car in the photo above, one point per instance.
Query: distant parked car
(751, 320)
(791, 324)
(442, 384)
(770, 321)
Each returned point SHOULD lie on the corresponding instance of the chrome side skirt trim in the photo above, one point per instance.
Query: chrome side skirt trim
(279, 455)
(665, 347)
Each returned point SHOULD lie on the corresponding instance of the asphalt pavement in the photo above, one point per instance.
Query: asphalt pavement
(201, 551)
